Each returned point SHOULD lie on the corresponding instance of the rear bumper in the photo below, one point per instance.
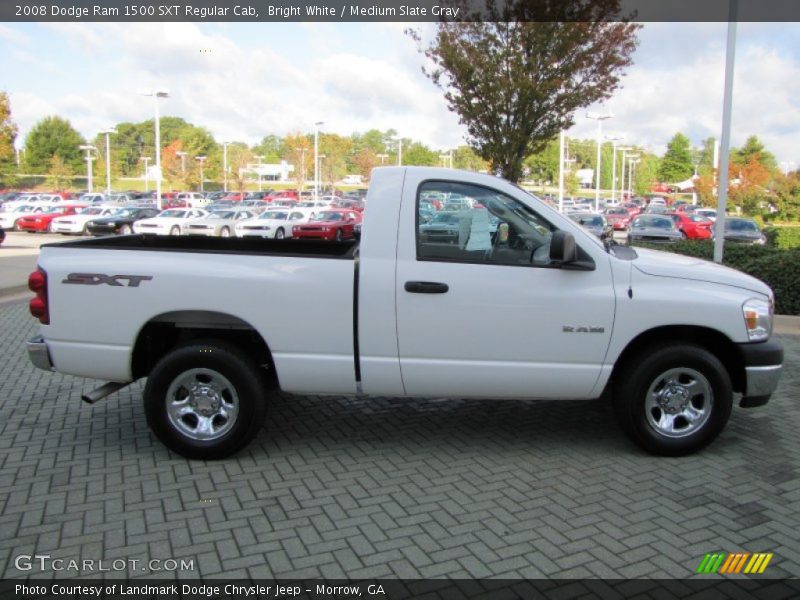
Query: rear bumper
(763, 364)
(38, 353)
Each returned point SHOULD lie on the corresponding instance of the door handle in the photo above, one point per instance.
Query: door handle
(426, 287)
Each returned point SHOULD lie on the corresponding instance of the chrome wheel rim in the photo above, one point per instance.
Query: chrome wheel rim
(225, 232)
(202, 404)
(679, 402)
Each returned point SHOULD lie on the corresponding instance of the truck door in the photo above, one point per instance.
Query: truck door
(480, 312)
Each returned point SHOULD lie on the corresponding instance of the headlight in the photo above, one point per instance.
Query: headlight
(757, 319)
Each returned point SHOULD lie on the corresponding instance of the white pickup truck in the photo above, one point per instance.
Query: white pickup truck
(510, 300)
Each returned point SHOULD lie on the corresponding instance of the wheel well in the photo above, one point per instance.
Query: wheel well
(712, 340)
(164, 332)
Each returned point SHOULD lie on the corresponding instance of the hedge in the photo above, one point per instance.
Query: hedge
(783, 236)
(779, 268)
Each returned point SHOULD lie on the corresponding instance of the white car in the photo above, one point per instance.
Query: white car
(8, 219)
(313, 206)
(217, 223)
(92, 198)
(708, 213)
(77, 223)
(273, 223)
(193, 199)
(24, 200)
(168, 222)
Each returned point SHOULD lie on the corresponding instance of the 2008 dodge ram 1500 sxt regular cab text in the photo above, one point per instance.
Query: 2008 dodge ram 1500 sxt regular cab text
(520, 302)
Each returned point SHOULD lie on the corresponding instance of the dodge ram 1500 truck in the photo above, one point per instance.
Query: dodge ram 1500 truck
(517, 301)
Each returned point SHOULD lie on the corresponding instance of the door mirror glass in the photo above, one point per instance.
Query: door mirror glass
(562, 248)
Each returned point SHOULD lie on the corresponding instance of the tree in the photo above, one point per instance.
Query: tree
(750, 190)
(516, 76)
(270, 147)
(239, 157)
(753, 149)
(364, 161)
(8, 135)
(298, 150)
(418, 154)
(60, 174)
(336, 149)
(677, 164)
(50, 137)
(465, 158)
(704, 156)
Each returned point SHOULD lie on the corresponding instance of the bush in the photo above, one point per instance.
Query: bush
(786, 236)
(778, 267)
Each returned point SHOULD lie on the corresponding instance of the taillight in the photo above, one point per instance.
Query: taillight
(37, 283)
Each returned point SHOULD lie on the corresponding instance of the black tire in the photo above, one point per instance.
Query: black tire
(694, 369)
(279, 235)
(175, 230)
(338, 236)
(225, 232)
(125, 229)
(206, 363)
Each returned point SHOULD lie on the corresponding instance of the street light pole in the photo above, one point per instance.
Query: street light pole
(225, 166)
(622, 178)
(201, 160)
(258, 173)
(599, 119)
(183, 156)
(156, 94)
(89, 159)
(316, 158)
(614, 139)
(633, 159)
(382, 157)
(108, 133)
(561, 172)
(146, 160)
(399, 152)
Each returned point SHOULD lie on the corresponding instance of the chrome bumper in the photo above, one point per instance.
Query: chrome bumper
(38, 353)
(762, 381)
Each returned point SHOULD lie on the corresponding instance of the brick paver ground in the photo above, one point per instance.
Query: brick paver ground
(348, 487)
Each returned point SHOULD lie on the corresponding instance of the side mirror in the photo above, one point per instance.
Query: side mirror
(562, 248)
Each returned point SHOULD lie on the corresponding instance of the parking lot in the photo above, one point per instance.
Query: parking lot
(340, 487)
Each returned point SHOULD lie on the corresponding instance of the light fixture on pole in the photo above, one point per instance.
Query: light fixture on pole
(107, 133)
(316, 158)
(183, 156)
(632, 160)
(201, 160)
(383, 157)
(89, 159)
(622, 178)
(399, 152)
(614, 139)
(146, 160)
(156, 94)
(225, 166)
(599, 119)
(258, 171)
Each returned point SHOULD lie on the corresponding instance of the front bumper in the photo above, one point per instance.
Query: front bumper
(763, 364)
(38, 353)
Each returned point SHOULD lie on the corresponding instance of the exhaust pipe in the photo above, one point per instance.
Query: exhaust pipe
(101, 392)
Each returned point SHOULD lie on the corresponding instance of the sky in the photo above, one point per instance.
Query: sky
(246, 80)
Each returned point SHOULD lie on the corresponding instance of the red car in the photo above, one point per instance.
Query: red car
(335, 225)
(619, 218)
(693, 227)
(282, 195)
(41, 221)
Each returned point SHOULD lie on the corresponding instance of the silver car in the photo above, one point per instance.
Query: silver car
(653, 228)
(218, 223)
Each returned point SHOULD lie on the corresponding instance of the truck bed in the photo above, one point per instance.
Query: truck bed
(200, 244)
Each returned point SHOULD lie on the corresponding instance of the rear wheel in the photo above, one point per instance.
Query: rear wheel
(279, 235)
(125, 229)
(338, 236)
(175, 230)
(205, 400)
(674, 399)
(225, 232)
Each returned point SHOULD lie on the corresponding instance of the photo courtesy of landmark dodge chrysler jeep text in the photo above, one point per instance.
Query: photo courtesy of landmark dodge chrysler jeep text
(519, 302)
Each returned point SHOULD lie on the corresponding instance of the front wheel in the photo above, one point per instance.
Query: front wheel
(225, 232)
(175, 230)
(279, 235)
(205, 400)
(125, 230)
(673, 400)
(338, 236)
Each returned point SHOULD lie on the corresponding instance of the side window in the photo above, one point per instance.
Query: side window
(470, 223)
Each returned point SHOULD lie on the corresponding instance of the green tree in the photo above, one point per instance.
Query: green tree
(270, 147)
(516, 77)
(418, 154)
(298, 151)
(59, 175)
(677, 164)
(543, 165)
(336, 149)
(704, 157)
(466, 158)
(53, 136)
(8, 135)
(753, 149)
